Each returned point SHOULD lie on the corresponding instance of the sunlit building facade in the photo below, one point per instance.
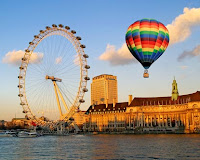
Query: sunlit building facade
(173, 114)
(22, 122)
(80, 118)
(104, 89)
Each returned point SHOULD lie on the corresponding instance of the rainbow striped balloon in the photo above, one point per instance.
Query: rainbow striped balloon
(147, 39)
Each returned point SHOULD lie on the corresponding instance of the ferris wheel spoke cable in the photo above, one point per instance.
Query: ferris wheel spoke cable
(64, 63)
(34, 69)
(44, 101)
(42, 50)
(49, 49)
(66, 59)
(66, 97)
(72, 84)
(34, 89)
(34, 85)
(68, 106)
(61, 42)
(37, 100)
(44, 63)
(70, 75)
(43, 98)
(37, 67)
(51, 55)
(35, 92)
(33, 100)
(70, 94)
(67, 67)
(68, 52)
(33, 78)
(39, 63)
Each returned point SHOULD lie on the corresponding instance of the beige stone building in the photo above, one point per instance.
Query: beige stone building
(104, 89)
(80, 118)
(106, 117)
(148, 114)
(22, 122)
(163, 114)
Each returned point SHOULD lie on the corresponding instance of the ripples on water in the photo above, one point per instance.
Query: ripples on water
(134, 147)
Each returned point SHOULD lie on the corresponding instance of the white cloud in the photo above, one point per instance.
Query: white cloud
(15, 57)
(58, 60)
(189, 54)
(180, 29)
(122, 56)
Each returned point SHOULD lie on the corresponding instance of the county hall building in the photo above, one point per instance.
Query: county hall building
(172, 114)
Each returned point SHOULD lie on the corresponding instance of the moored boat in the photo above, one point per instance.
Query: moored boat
(24, 134)
(7, 134)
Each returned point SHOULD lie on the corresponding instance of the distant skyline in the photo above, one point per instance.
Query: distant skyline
(102, 26)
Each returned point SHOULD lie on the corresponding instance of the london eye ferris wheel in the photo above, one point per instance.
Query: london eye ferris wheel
(53, 75)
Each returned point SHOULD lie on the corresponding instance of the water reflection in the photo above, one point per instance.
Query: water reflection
(102, 147)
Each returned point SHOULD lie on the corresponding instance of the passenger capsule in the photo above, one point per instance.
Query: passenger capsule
(87, 66)
(22, 104)
(54, 25)
(20, 77)
(20, 95)
(27, 50)
(81, 100)
(67, 27)
(85, 90)
(19, 86)
(78, 38)
(47, 27)
(60, 25)
(41, 31)
(31, 43)
(87, 78)
(73, 31)
(36, 36)
(85, 56)
(24, 59)
(24, 111)
(21, 67)
(82, 46)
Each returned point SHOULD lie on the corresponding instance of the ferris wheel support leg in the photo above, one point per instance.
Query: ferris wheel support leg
(67, 109)
(58, 102)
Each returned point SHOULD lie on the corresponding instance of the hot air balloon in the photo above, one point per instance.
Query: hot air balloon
(147, 40)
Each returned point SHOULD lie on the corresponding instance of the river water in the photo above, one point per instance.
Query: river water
(134, 147)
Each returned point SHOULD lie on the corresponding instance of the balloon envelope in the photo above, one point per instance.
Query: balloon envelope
(147, 39)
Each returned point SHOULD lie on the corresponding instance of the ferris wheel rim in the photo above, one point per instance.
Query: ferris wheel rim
(79, 48)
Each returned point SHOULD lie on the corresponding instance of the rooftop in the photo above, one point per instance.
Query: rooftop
(102, 107)
(145, 101)
(102, 75)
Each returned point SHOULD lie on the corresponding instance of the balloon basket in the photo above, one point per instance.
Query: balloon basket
(146, 74)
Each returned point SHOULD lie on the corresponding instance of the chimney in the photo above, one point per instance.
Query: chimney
(114, 102)
(106, 103)
(130, 98)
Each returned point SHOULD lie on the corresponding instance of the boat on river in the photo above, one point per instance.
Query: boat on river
(24, 134)
(8, 134)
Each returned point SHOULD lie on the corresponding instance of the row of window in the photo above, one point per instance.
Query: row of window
(106, 112)
(110, 125)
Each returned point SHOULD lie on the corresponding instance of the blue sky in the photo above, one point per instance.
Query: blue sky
(99, 23)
